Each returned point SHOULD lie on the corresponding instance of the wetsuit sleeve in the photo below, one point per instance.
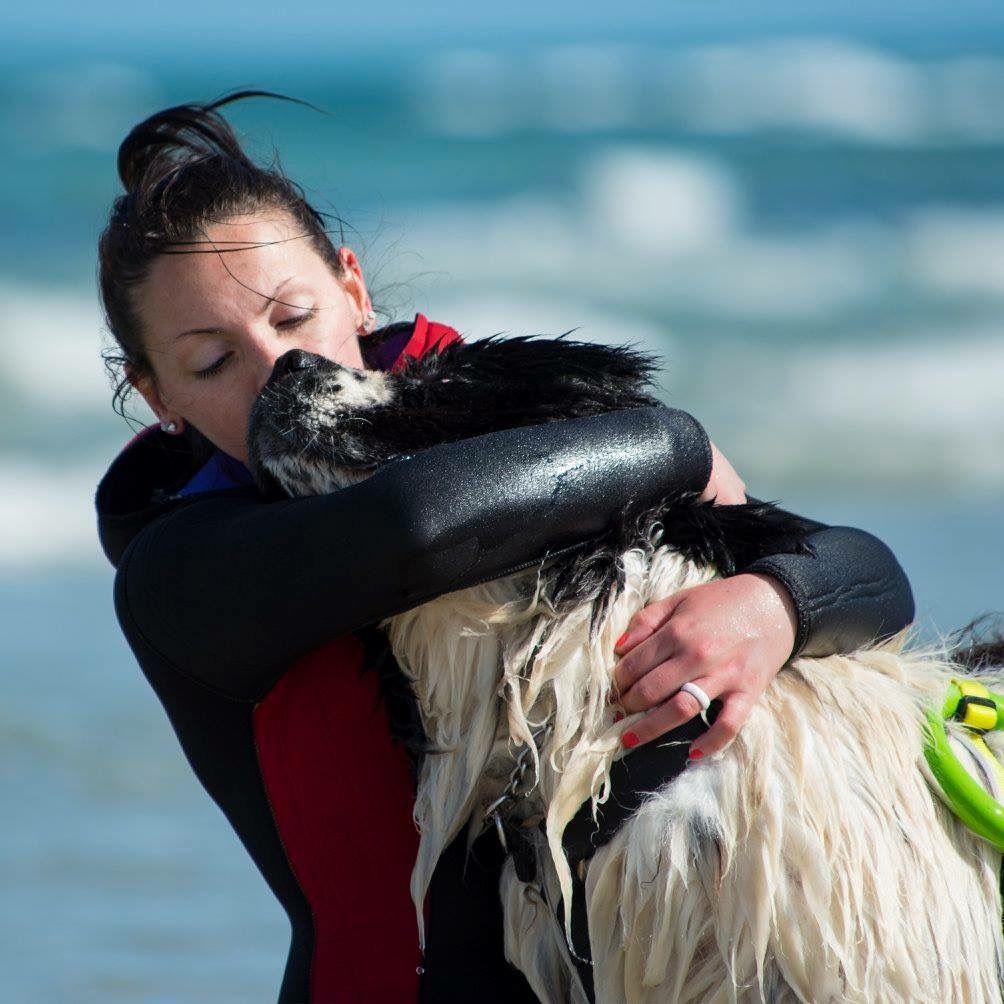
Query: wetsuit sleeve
(848, 592)
(231, 589)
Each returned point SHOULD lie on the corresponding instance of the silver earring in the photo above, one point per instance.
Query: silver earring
(369, 321)
(169, 427)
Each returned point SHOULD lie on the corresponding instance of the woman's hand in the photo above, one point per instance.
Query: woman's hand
(724, 487)
(728, 636)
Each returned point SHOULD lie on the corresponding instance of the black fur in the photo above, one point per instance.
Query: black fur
(980, 644)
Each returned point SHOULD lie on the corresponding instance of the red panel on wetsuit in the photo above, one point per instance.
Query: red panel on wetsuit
(427, 335)
(342, 796)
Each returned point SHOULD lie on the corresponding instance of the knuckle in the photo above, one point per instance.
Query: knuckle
(626, 673)
(646, 692)
(684, 705)
(730, 670)
(647, 618)
(702, 649)
(678, 631)
(729, 729)
(730, 722)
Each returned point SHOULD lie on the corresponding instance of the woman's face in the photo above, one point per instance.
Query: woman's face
(215, 323)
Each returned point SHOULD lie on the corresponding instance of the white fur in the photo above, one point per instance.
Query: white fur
(354, 394)
(809, 861)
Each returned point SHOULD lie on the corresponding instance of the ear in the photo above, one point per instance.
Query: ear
(146, 384)
(353, 282)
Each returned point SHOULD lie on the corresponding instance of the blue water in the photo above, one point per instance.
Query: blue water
(819, 262)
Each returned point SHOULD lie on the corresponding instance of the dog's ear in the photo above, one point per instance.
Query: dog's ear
(573, 367)
(498, 382)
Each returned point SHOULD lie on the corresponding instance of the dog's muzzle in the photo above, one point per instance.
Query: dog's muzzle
(275, 424)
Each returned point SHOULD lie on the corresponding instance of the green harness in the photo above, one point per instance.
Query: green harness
(980, 711)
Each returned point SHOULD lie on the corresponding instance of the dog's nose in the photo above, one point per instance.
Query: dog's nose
(295, 359)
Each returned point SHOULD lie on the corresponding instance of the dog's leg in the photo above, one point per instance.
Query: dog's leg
(535, 942)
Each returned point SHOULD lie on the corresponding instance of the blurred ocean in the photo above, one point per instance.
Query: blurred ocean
(807, 227)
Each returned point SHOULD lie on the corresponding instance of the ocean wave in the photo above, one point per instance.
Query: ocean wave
(667, 230)
(661, 202)
(907, 413)
(50, 342)
(47, 514)
(822, 84)
(831, 85)
(958, 251)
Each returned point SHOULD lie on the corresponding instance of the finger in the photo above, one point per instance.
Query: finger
(646, 621)
(653, 687)
(643, 660)
(680, 708)
(730, 720)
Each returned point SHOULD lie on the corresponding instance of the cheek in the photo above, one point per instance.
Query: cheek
(339, 340)
(220, 412)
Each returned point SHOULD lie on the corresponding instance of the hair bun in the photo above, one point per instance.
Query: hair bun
(183, 133)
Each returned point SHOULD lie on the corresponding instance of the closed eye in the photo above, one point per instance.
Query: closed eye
(213, 368)
(291, 322)
(295, 322)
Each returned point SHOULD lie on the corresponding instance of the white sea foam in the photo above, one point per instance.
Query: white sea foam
(661, 201)
(907, 412)
(958, 251)
(50, 341)
(468, 92)
(47, 514)
(653, 227)
(967, 94)
(834, 85)
(805, 83)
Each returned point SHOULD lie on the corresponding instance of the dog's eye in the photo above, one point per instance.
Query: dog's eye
(213, 368)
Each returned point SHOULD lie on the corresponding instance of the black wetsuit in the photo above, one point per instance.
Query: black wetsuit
(245, 615)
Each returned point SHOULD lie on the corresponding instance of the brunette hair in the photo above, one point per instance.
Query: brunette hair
(182, 168)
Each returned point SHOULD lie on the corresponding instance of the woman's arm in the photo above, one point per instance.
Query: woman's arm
(231, 589)
(850, 591)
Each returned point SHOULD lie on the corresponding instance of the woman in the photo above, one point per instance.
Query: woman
(250, 616)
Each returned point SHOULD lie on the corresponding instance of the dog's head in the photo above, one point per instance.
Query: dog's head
(304, 429)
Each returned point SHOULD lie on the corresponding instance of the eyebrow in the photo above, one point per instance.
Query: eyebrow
(219, 331)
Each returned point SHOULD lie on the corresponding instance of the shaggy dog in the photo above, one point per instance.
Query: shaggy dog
(807, 862)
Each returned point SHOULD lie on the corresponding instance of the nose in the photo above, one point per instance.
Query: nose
(295, 359)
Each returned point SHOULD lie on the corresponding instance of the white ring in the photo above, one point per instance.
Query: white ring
(698, 695)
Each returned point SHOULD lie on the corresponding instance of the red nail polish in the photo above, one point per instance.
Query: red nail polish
(695, 754)
(629, 740)
(618, 716)
(620, 641)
